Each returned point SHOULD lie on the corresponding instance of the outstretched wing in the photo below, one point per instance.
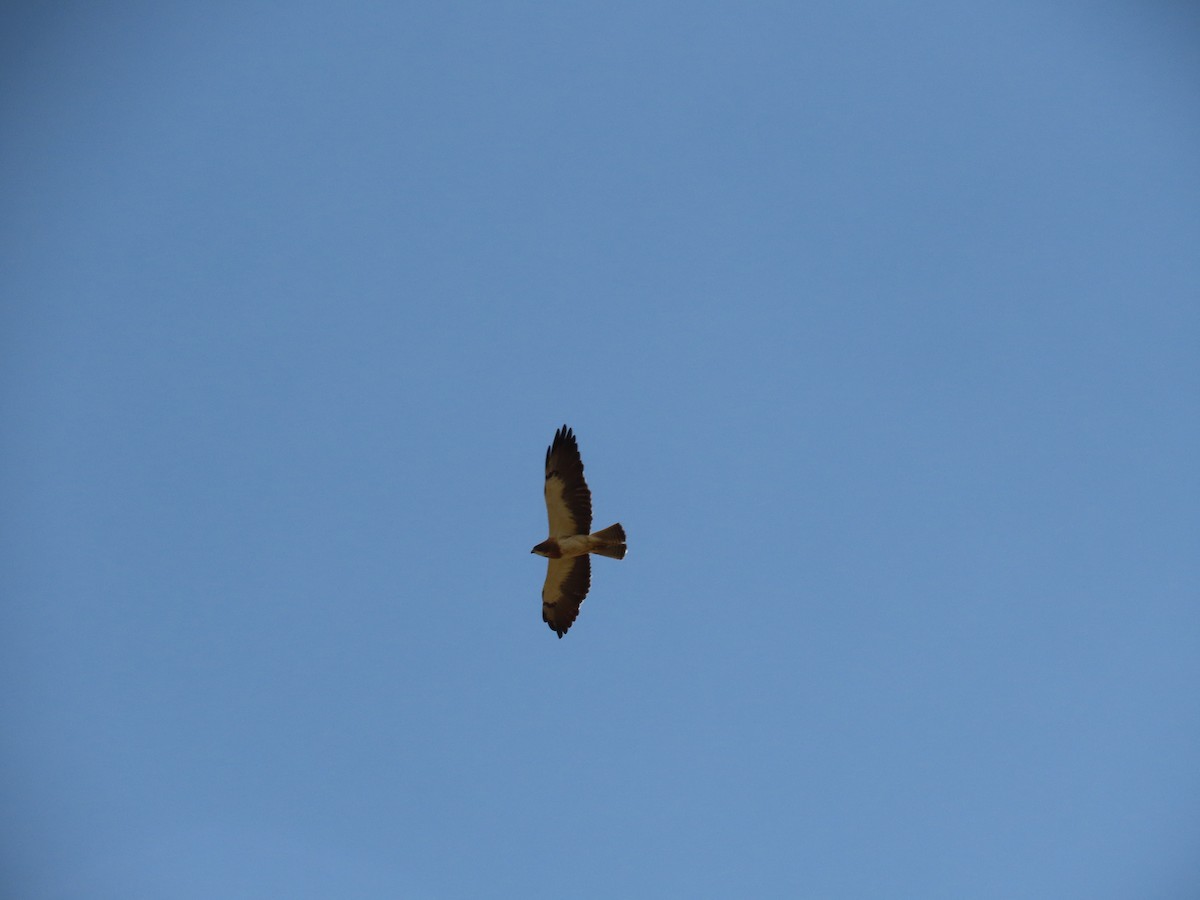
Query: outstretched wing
(568, 500)
(567, 583)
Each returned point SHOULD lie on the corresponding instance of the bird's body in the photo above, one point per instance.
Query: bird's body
(581, 545)
(569, 510)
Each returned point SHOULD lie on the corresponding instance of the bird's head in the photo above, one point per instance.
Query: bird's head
(548, 549)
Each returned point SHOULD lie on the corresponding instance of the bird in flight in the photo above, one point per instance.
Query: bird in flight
(569, 509)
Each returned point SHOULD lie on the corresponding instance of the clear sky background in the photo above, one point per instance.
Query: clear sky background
(879, 327)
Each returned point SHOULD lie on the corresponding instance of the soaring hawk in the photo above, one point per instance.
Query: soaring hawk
(569, 509)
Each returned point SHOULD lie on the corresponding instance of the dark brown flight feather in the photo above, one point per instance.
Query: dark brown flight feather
(564, 473)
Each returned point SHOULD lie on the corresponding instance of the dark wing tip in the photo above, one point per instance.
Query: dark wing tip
(560, 621)
(563, 436)
(559, 628)
(559, 437)
(563, 452)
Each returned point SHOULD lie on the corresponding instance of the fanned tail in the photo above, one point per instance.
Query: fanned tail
(609, 542)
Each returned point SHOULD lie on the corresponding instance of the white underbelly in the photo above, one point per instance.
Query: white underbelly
(575, 545)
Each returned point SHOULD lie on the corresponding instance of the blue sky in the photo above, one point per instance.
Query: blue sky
(878, 324)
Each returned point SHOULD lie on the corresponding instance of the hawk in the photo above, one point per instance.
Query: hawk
(569, 509)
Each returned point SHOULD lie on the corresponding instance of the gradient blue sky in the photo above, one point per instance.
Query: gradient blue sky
(879, 326)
